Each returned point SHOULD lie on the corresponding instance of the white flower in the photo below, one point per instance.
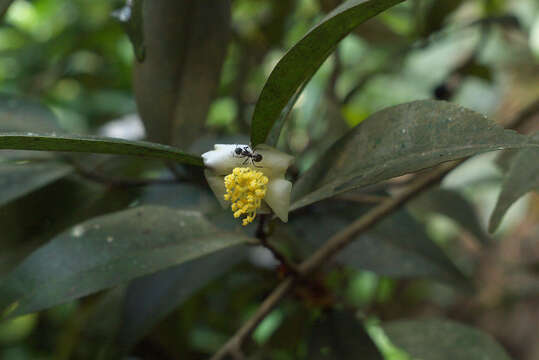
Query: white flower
(250, 186)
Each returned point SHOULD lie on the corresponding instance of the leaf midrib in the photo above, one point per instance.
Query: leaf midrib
(370, 169)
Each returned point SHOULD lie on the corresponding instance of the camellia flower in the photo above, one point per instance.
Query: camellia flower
(249, 182)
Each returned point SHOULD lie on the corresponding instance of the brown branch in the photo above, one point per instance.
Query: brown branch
(330, 248)
(261, 235)
(349, 234)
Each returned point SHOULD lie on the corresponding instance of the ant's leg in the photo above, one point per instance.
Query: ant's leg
(245, 162)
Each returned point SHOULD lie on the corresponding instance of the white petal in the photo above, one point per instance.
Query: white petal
(217, 185)
(229, 147)
(221, 162)
(278, 197)
(274, 162)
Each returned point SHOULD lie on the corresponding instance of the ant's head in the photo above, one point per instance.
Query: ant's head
(257, 158)
(238, 151)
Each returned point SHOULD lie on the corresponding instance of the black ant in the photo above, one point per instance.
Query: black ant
(248, 154)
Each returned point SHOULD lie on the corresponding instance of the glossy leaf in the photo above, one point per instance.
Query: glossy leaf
(185, 46)
(339, 335)
(50, 210)
(399, 140)
(93, 144)
(409, 253)
(522, 176)
(180, 196)
(303, 60)
(150, 299)
(452, 204)
(275, 132)
(436, 339)
(108, 251)
(18, 179)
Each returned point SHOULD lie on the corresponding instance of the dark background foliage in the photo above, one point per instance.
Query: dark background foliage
(163, 273)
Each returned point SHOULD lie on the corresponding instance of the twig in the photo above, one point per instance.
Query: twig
(330, 248)
(262, 236)
(346, 236)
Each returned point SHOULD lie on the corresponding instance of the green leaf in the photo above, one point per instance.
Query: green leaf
(453, 205)
(522, 177)
(18, 179)
(275, 132)
(410, 253)
(108, 251)
(93, 144)
(49, 211)
(304, 58)
(185, 46)
(151, 298)
(339, 335)
(436, 339)
(399, 140)
(180, 196)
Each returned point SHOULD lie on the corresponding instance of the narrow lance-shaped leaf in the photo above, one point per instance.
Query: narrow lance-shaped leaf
(437, 339)
(304, 58)
(273, 136)
(93, 144)
(185, 46)
(522, 177)
(399, 140)
(108, 251)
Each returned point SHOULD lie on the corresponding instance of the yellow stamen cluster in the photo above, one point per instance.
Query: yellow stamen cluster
(245, 189)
